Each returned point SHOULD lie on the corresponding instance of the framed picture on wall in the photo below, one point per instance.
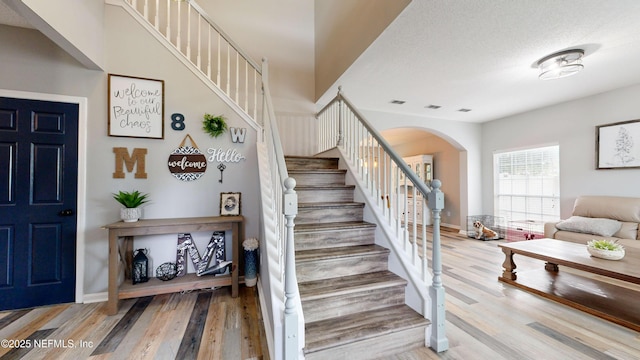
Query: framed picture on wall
(229, 203)
(618, 145)
(136, 107)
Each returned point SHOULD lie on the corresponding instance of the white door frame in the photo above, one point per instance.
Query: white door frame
(82, 172)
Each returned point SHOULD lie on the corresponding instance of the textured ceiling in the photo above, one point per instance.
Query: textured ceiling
(479, 55)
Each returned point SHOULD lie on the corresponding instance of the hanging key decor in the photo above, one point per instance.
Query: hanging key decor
(221, 167)
(187, 163)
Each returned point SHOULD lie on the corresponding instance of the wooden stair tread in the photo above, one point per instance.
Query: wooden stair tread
(309, 157)
(316, 171)
(361, 326)
(325, 187)
(319, 289)
(333, 226)
(329, 205)
(339, 252)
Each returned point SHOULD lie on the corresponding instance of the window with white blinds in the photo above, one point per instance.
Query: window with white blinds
(527, 184)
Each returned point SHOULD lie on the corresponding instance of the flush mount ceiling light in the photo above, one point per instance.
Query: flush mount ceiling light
(561, 64)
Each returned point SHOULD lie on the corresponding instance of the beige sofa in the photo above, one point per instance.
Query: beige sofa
(600, 217)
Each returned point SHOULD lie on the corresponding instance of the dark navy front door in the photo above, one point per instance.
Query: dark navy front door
(38, 199)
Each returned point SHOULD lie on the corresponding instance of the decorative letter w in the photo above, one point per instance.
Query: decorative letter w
(137, 157)
(237, 134)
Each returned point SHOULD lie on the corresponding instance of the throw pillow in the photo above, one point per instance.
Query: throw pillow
(596, 226)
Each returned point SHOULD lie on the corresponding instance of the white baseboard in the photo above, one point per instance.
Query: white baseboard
(94, 298)
(450, 226)
(265, 319)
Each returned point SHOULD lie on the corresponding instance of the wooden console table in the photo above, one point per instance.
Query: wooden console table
(170, 226)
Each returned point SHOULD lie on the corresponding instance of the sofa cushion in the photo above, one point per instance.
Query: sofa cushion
(628, 230)
(596, 226)
(609, 207)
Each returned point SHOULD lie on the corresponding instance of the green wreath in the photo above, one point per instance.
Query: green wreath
(214, 125)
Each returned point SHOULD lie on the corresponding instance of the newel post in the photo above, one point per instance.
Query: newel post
(291, 336)
(438, 341)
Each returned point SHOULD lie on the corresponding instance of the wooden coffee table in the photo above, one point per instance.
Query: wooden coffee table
(618, 304)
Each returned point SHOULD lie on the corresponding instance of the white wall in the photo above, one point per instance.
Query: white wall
(343, 30)
(81, 34)
(281, 31)
(572, 126)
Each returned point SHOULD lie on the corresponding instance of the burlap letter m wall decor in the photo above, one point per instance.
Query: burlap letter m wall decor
(137, 157)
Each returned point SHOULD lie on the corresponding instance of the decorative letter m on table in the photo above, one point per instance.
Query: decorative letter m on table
(137, 157)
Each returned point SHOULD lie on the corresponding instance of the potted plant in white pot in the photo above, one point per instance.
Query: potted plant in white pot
(131, 201)
(605, 249)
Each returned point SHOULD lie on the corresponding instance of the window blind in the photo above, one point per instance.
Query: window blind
(527, 184)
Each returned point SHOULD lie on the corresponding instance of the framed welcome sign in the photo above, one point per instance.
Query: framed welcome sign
(136, 107)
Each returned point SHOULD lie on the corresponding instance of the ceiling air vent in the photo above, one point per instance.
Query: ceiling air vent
(464, 110)
(434, 107)
(398, 102)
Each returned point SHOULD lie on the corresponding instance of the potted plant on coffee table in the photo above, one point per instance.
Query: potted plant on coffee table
(132, 202)
(605, 249)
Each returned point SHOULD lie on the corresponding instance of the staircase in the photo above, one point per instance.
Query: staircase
(353, 306)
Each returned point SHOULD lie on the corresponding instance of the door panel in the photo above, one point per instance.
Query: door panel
(46, 182)
(6, 263)
(38, 150)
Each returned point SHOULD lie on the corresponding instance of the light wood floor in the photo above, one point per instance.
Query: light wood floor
(206, 324)
(486, 319)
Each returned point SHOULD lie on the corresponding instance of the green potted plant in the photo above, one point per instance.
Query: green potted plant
(214, 125)
(132, 202)
(605, 249)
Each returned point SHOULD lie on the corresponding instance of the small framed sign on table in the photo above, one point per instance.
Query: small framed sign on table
(618, 145)
(136, 107)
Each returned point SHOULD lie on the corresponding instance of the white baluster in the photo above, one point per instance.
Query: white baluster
(168, 35)
(157, 17)
(237, 76)
(189, 31)
(145, 9)
(246, 86)
(255, 94)
(199, 58)
(209, 52)
(179, 35)
(414, 217)
(425, 261)
(219, 65)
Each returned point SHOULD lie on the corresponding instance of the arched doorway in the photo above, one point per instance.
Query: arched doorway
(447, 159)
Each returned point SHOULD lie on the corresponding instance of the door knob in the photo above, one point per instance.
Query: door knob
(66, 212)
